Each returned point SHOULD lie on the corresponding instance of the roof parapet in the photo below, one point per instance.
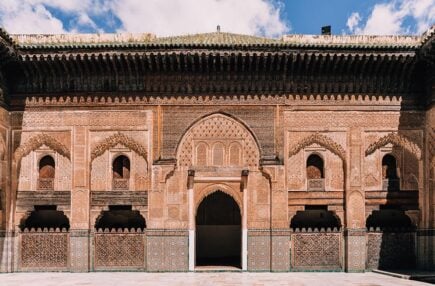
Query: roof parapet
(56, 39)
(220, 39)
(353, 40)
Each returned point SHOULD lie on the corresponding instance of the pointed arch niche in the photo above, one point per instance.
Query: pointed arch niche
(332, 163)
(28, 156)
(103, 160)
(218, 140)
(407, 166)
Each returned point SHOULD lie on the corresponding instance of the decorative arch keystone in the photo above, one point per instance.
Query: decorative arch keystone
(37, 141)
(116, 139)
(395, 139)
(323, 141)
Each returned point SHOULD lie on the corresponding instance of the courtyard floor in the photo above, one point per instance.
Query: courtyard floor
(209, 278)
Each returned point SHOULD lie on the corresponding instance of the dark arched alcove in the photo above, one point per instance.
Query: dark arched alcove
(121, 167)
(46, 173)
(120, 217)
(45, 217)
(121, 172)
(388, 218)
(391, 240)
(315, 167)
(315, 173)
(389, 173)
(218, 231)
(315, 217)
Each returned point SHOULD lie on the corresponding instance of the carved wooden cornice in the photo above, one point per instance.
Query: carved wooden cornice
(215, 72)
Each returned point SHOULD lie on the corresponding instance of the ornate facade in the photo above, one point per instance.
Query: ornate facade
(135, 152)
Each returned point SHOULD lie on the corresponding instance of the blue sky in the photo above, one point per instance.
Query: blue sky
(307, 16)
(271, 18)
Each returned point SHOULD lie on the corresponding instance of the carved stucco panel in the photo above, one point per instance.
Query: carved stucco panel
(99, 178)
(105, 145)
(213, 129)
(334, 173)
(86, 118)
(63, 176)
(390, 119)
(355, 206)
(28, 170)
(140, 173)
(410, 171)
(372, 172)
(25, 173)
(397, 140)
(295, 172)
(35, 141)
(302, 144)
(406, 151)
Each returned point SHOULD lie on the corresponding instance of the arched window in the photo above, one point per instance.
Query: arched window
(121, 172)
(46, 173)
(389, 173)
(315, 173)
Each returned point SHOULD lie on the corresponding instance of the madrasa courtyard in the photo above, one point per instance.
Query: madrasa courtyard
(216, 151)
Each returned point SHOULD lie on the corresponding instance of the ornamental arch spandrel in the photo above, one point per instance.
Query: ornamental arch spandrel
(220, 130)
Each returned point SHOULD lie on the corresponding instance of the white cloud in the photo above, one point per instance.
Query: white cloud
(18, 18)
(193, 16)
(353, 21)
(390, 18)
(162, 17)
(34, 16)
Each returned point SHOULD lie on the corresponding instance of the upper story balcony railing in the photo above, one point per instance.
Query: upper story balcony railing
(120, 184)
(46, 184)
(316, 184)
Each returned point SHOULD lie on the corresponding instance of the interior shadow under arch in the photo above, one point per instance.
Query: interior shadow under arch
(218, 231)
(120, 217)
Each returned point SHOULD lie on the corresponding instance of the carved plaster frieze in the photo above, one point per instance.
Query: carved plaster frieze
(116, 139)
(322, 140)
(397, 140)
(318, 99)
(37, 141)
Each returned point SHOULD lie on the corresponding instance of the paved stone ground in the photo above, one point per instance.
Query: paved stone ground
(214, 278)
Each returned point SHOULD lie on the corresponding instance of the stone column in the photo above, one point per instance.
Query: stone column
(355, 240)
(426, 231)
(191, 204)
(245, 174)
(80, 195)
(279, 218)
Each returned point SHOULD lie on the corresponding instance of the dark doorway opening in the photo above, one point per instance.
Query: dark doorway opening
(218, 231)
